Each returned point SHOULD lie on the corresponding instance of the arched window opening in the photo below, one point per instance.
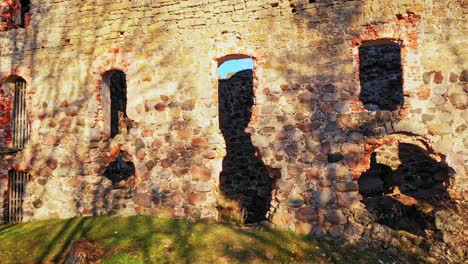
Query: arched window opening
(244, 177)
(16, 187)
(114, 100)
(380, 73)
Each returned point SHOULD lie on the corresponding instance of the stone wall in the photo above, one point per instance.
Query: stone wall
(307, 120)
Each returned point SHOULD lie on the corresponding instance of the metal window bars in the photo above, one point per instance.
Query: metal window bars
(19, 118)
(16, 186)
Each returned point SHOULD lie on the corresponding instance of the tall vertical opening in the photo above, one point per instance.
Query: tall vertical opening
(19, 118)
(16, 187)
(244, 176)
(114, 101)
(380, 73)
(25, 8)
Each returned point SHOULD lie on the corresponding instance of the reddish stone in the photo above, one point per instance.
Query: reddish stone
(87, 212)
(45, 172)
(282, 219)
(309, 126)
(139, 108)
(423, 92)
(52, 164)
(64, 103)
(285, 185)
(145, 176)
(282, 135)
(52, 123)
(147, 132)
(294, 170)
(175, 198)
(209, 154)
(156, 143)
(199, 173)
(50, 140)
(179, 172)
(303, 228)
(438, 77)
(284, 87)
(200, 142)
(312, 173)
(142, 199)
(321, 157)
(166, 163)
(64, 140)
(160, 107)
(72, 111)
(184, 134)
(306, 214)
(325, 107)
(42, 115)
(140, 154)
(372, 141)
(325, 147)
(65, 122)
(196, 198)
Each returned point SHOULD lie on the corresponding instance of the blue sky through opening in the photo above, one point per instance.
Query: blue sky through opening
(234, 66)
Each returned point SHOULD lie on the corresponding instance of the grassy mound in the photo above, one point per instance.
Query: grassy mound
(145, 239)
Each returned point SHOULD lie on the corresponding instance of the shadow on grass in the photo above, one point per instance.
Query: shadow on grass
(144, 239)
(6, 228)
(58, 246)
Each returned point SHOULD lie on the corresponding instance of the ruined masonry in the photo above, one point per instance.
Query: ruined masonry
(352, 108)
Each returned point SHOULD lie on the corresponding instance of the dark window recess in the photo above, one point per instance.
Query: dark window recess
(118, 94)
(14, 206)
(120, 170)
(19, 119)
(244, 177)
(381, 76)
(403, 187)
(25, 8)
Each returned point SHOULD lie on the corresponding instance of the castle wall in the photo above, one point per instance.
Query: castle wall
(307, 120)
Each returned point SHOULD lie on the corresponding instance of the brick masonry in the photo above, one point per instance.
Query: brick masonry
(307, 120)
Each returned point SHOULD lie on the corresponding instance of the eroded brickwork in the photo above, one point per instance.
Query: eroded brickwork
(307, 121)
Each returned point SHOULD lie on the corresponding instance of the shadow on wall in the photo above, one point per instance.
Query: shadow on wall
(120, 170)
(244, 178)
(406, 197)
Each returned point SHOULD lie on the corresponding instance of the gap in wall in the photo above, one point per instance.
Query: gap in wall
(118, 94)
(244, 177)
(380, 73)
(404, 186)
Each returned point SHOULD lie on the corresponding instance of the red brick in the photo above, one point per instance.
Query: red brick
(199, 173)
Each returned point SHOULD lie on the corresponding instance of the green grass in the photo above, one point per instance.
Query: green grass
(145, 239)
